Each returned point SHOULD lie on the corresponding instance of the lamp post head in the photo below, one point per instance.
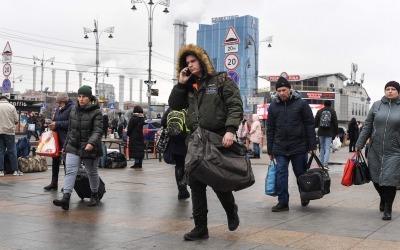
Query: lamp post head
(150, 2)
(166, 11)
(110, 36)
(133, 8)
(86, 36)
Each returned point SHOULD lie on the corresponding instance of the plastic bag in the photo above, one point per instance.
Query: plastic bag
(270, 180)
(48, 144)
(336, 143)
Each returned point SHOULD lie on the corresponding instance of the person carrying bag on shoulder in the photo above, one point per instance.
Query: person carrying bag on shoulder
(219, 111)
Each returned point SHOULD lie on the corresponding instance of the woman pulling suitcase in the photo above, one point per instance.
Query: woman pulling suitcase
(83, 144)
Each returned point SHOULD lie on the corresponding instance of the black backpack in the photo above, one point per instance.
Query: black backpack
(23, 147)
(115, 160)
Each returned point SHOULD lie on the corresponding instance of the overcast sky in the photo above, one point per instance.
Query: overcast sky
(309, 36)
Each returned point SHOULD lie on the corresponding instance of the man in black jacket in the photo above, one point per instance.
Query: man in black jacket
(327, 124)
(290, 135)
(219, 112)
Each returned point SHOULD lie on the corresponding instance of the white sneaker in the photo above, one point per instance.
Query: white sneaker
(18, 173)
(1, 173)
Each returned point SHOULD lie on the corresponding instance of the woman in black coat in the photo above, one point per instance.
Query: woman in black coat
(136, 138)
(353, 134)
(177, 148)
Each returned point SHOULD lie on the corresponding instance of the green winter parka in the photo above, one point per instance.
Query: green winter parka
(220, 109)
(85, 126)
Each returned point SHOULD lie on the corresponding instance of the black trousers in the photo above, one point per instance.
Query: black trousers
(199, 198)
(387, 193)
(55, 169)
(179, 169)
(352, 145)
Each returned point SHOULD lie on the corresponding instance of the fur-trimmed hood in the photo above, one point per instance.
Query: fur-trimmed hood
(294, 94)
(200, 54)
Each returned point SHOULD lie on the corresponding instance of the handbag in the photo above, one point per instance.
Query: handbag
(31, 127)
(347, 179)
(48, 144)
(361, 174)
(223, 169)
(167, 156)
(315, 182)
(270, 180)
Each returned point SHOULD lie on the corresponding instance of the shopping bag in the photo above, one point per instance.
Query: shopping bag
(347, 178)
(270, 180)
(31, 127)
(361, 174)
(48, 144)
(336, 143)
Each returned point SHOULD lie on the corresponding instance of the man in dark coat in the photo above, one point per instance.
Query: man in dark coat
(326, 133)
(136, 138)
(290, 134)
(105, 125)
(220, 111)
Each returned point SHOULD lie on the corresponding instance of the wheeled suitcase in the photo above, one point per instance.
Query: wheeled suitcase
(82, 186)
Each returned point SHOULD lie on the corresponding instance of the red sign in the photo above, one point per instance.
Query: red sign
(289, 78)
(319, 95)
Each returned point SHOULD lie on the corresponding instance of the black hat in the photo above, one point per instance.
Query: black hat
(393, 84)
(86, 91)
(327, 103)
(282, 82)
(137, 109)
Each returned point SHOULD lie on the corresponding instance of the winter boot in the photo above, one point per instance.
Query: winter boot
(183, 193)
(136, 165)
(64, 202)
(233, 218)
(51, 187)
(94, 199)
(387, 213)
(200, 231)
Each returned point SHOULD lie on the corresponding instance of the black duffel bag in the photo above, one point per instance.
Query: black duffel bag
(223, 169)
(315, 182)
(115, 160)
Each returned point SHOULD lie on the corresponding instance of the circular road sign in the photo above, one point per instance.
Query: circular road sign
(231, 61)
(7, 69)
(6, 85)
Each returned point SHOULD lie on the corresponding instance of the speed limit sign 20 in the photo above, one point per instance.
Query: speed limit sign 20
(231, 61)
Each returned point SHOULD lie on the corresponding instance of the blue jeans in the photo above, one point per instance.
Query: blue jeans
(8, 142)
(325, 143)
(73, 162)
(256, 148)
(299, 165)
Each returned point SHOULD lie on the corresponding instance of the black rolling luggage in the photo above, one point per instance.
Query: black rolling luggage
(82, 186)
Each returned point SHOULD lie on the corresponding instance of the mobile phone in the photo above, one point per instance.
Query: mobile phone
(188, 72)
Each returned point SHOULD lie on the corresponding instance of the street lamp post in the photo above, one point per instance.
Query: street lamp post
(42, 63)
(97, 36)
(150, 6)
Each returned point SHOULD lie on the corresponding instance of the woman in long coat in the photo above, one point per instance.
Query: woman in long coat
(256, 135)
(353, 132)
(136, 138)
(382, 127)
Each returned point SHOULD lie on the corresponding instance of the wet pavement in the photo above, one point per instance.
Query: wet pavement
(140, 210)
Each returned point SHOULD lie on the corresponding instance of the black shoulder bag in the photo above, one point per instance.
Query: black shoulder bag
(223, 169)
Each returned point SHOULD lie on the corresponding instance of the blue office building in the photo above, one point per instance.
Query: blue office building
(232, 44)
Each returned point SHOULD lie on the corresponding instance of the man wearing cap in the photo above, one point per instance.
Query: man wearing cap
(327, 124)
(9, 118)
(290, 135)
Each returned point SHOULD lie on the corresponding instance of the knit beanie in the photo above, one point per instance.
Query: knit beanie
(282, 82)
(137, 109)
(86, 91)
(62, 97)
(393, 84)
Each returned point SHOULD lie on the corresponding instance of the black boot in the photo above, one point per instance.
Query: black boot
(382, 205)
(51, 187)
(94, 199)
(200, 231)
(233, 219)
(135, 165)
(64, 202)
(183, 193)
(387, 214)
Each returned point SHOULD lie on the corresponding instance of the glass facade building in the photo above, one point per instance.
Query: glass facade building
(238, 57)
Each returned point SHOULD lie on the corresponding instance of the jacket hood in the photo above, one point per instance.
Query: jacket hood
(294, 94)
(200, 54)
(387, 100)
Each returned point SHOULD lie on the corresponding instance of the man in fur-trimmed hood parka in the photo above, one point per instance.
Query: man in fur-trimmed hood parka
(220, 111)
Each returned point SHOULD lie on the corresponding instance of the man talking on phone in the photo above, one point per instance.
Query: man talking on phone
(220, 109)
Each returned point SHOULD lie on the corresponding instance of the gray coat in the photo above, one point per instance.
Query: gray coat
(383, 127)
